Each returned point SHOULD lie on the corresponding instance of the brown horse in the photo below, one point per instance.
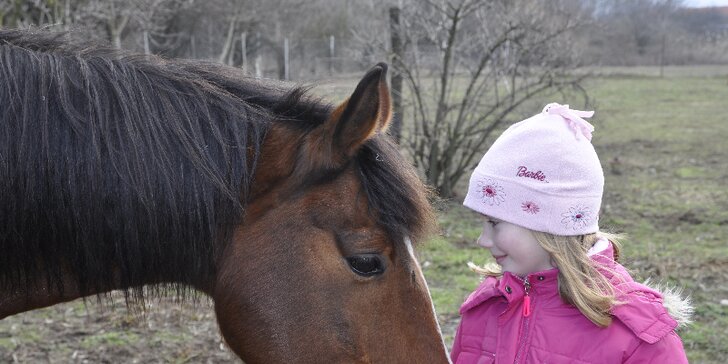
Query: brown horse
(121, 171)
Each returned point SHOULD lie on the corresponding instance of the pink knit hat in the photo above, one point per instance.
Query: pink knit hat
(542, 174)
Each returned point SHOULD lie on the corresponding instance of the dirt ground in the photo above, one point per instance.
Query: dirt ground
(167, 332)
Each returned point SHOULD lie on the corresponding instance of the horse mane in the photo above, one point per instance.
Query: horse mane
(145, 163)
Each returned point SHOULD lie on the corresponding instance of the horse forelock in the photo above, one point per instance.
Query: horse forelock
(399, 200)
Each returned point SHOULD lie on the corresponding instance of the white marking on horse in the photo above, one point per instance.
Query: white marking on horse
(411, 251)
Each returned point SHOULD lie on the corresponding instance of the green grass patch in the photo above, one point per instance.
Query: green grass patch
(162, 337)
(112, 338)
(7, 343)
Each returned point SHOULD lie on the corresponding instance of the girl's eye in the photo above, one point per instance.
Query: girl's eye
(492, 223)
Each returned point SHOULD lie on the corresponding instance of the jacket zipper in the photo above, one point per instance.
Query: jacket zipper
(527, 315)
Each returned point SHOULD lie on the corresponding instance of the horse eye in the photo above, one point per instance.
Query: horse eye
(366, 265)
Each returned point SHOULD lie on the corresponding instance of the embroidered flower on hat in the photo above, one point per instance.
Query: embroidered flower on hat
(530, 207)
(491, 192)
(577, 217)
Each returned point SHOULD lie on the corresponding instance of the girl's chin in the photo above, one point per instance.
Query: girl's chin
(515, 272)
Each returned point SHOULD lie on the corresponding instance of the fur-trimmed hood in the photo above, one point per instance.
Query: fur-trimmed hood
(651, 312)
(679, 306)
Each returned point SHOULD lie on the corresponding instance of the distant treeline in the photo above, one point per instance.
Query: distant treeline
(326, 37)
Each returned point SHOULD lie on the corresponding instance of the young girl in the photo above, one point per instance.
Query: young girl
(558, 294)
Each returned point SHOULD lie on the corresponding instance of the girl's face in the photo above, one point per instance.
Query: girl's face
(514, 248)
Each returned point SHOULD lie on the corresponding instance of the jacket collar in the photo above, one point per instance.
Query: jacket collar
(513, 287)
(544, 283)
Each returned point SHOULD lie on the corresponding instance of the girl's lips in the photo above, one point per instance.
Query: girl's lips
(499, 258)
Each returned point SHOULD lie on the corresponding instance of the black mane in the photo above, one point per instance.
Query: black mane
(108, 157)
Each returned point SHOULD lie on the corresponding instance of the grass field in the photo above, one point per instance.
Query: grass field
(662, 142)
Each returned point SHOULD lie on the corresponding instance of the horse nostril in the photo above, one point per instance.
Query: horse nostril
(366, 265)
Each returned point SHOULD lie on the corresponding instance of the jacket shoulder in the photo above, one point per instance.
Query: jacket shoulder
(650, 313)
(642, 309)
(485, 291)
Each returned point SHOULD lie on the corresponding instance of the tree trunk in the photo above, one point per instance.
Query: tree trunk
(116, 25)
(228, 40)
(397, 55)
(433, 174)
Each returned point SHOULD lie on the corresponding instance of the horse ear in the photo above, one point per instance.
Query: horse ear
(367, 111)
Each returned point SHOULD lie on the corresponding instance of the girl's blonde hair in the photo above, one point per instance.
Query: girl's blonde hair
(580, 283)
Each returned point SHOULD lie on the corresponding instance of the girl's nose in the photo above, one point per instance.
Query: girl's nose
(484, 240)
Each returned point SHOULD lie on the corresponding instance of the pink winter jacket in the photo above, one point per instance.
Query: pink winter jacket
(497, 327)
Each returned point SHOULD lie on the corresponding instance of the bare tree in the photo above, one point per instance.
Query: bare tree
(469, 66)
(112, 16)
(17, 13)
(265, 22)
(168, 25)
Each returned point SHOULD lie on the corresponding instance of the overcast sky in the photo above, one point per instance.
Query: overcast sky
(702, 3)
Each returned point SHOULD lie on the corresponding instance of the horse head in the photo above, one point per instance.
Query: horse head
(322, 269)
